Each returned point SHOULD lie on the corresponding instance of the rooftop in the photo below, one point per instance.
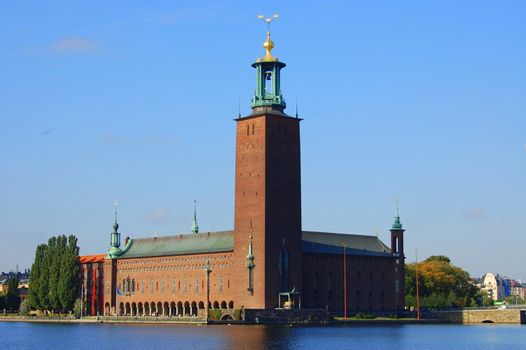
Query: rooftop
(223, 241)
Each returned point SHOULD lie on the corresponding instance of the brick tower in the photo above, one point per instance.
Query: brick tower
(267, 223)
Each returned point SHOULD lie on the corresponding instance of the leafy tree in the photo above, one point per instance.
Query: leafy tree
(25, 306)
(79, 307)
(12, 300)
(36, 276)
(55, 274)
(68, 284)
(441, 284)
(438, 258)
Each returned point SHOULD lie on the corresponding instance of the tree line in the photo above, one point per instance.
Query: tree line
(441, 284)
(55, 275)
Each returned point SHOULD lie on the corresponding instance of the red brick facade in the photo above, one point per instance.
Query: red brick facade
(268, 206)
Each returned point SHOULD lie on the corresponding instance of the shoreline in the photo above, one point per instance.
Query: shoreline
(94, 320)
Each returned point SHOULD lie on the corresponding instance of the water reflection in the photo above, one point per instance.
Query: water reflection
(258, 337)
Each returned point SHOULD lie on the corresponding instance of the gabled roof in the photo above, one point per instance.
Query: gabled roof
(334, 243)
(223, 241)
(208, 242)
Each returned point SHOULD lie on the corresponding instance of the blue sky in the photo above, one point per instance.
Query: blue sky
(420, 101)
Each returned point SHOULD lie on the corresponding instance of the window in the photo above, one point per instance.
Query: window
(151, 285)
(142, 287)
(162, 285)
(185, 285)
(220, 287)
(196, 286)
(397, 286)
(173, 285)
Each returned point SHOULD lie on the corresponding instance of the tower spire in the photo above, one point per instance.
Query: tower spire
(195, 227)
(397, 225)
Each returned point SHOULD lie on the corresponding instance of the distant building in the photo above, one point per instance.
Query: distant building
(518, 289)
(498, 287)
(4, 285)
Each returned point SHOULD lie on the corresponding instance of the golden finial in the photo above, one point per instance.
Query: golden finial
(268, 45)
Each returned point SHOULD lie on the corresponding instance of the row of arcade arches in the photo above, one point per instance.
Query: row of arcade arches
(172, 309)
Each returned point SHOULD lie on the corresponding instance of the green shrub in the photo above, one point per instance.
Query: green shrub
(364, 316)
(25, 307)
(215, 314)
(237, 314)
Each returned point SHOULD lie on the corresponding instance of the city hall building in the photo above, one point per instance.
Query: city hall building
(267, 261)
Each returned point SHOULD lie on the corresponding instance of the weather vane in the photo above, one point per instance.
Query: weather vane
(269, 19)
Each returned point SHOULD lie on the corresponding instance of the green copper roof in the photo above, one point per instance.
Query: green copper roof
(397, 225)
(223, 241)
(210, 242)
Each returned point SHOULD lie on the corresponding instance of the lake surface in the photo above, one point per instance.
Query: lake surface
(257, 337)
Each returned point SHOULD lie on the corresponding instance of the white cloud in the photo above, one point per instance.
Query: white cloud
(474, 213)
(158, 216)
(74, 45)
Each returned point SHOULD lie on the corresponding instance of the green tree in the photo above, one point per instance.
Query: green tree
(441, 284)
(56, 250)
(55, 274)
(35, 277)
(25, 307)
(69, 281)
(43, 278)
(12, 300)
(79, 308)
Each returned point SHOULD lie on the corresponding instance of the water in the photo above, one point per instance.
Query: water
(159, 337)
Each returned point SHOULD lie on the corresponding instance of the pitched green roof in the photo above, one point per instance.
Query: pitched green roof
(223, 241)
(208, 242)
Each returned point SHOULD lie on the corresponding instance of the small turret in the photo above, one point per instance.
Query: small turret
(115, 240)
(397, 236)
